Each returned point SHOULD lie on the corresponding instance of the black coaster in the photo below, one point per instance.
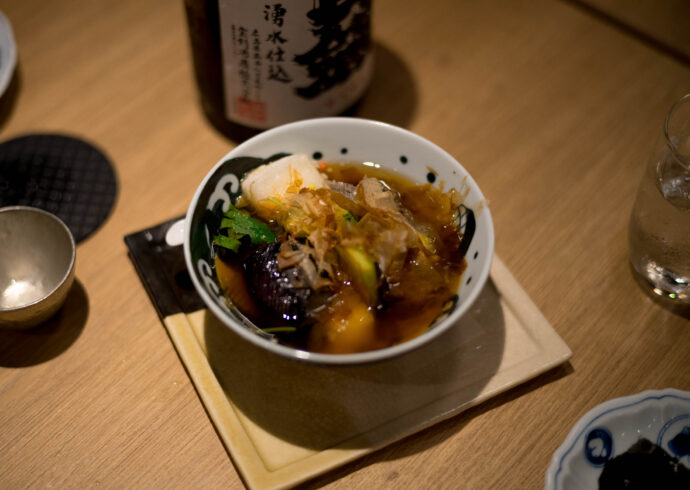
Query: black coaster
(62, 175)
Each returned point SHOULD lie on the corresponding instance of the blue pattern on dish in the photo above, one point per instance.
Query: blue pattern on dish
(593, 423)
(598, 446)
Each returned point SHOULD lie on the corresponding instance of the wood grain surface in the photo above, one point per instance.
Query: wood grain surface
(664, 25)
(552, 110)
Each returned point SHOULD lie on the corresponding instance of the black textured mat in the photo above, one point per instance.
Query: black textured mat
(163, 271)
(60, 174)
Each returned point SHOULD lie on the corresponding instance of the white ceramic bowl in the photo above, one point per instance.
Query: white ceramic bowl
(347, 140)
(609, 429)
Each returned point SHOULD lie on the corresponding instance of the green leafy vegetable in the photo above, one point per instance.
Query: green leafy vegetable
(350, 217)
(235, 225)
(230, 243)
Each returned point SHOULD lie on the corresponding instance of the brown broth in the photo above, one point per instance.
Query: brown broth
(343, 325)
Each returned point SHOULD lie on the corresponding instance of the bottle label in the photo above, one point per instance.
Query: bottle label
(293, 59)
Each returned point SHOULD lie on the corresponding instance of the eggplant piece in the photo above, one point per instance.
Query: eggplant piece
(277, 290)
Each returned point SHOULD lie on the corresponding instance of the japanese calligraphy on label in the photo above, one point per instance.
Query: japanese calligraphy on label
(293, 59)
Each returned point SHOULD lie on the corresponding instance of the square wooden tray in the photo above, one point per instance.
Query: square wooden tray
(284, 422)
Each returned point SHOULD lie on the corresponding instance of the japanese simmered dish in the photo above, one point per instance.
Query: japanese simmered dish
(339, 258)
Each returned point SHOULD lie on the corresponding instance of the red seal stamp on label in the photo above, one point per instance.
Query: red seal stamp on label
(254, 110)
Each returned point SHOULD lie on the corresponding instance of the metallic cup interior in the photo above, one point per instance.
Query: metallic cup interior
(37, 257)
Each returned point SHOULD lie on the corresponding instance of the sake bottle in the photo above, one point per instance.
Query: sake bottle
(259, 64)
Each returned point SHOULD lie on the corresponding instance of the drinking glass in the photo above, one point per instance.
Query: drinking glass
(659, 232)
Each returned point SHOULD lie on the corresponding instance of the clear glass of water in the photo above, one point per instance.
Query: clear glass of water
(659, 232)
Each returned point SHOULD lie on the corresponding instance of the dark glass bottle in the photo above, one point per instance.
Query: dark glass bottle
(261, 64)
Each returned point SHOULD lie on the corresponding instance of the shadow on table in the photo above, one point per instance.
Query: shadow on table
(21, 348)
(319, 407)
(392, 93)
(435, 435)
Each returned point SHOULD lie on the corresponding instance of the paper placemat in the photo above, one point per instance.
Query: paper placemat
(284, 422)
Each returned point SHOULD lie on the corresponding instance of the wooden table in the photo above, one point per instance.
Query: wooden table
(550, 107)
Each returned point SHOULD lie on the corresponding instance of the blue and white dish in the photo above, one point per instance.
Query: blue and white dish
(339, 139)
(610, 429)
